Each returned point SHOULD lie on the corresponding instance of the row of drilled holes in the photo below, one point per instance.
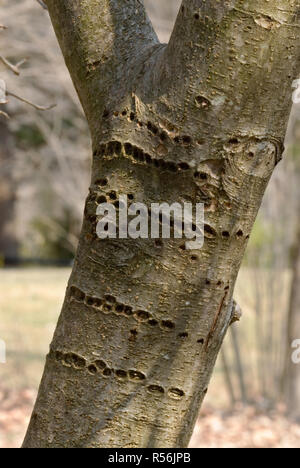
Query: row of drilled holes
(115, 148)
(99, 366)
(137, 154)
(110, 305)
(186, 140)
(112, 197)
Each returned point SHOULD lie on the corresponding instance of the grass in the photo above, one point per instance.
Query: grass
(31, 300)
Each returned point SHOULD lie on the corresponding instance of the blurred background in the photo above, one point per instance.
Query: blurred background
(254, 397)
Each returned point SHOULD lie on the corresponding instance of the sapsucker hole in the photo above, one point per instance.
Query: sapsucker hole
(90, 301)
(158, 243)
(128, 149)
(133, 335)
(107, 372)
(107, 308)
(203, 102)
(153, 322)
(156, 389)
(121, 374)
(240, 233)
(128, 311)
(183, 335)
(120, 308)
(77, 294)
(101, 365)
(101, 199)
(176, 393)
(101, 182)
(200, 341)
(184, 166)
(209, 231)
(148, 158)
(110, 299)
(58, 356)
(168, 324)
(112, 195)
(77, 361)
(136, 375)
(171, 166)
(142, 315)
(187, 140)
(92, 369)
(163, 136)
(225, 234)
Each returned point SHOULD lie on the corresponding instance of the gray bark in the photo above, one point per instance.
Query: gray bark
(200, 119)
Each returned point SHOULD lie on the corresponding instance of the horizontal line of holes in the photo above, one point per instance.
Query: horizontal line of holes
(163, 135)
(71, 359)
(110, 305)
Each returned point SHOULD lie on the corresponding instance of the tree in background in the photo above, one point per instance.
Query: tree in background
(8, 241)
(203, 120)
(51, 150)
(291, 374)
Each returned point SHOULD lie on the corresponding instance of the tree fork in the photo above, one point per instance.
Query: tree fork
(201, 119)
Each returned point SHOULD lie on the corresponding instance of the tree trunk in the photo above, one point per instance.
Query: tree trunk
(292, 375)
(201, 119)
(8, 241)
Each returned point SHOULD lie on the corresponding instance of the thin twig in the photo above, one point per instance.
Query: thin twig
(42, 4)
(35, 106)
(10, 66)
(4, 114)
(21, 63)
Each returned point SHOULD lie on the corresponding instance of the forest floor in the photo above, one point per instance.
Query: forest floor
(243, 427)
(30, 301)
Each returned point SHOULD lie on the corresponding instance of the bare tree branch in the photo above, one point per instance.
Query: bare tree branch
(37, 107)
(43, 5)
(231, 72)
(4, 114)
(9, 65)
(97, 37)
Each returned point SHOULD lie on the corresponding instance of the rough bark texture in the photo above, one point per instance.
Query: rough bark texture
(200, 119)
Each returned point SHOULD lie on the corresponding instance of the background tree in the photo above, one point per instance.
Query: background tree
(196, 120)
(291, 374)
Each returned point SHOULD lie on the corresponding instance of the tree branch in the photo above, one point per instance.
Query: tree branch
(97, 38)
(234, 54)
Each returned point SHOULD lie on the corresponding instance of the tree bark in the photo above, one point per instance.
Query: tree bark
(201, 119)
